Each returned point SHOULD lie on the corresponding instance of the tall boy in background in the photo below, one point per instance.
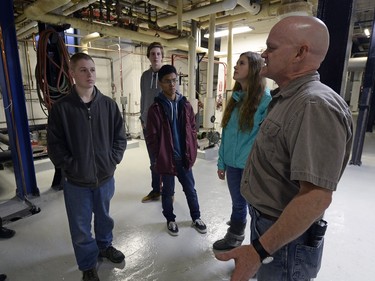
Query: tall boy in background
(149, 90)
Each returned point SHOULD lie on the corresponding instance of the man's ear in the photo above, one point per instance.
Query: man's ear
(302, 52)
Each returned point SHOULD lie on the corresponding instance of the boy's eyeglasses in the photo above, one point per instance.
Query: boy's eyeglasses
(169, 81)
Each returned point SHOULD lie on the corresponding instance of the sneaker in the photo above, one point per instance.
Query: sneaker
(112, 254)
(172, 228)
(199, 225)
(90, 275)
(152, 196)
(6, 232)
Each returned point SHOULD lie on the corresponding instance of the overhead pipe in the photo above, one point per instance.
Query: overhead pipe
(162, 5)
(27, 27)
(27, 33)
(107, 30)
(89, 38)
(294, 7)
(264, 13)
(199, 12)
(253, 8)
(37, 10)
(78, 6)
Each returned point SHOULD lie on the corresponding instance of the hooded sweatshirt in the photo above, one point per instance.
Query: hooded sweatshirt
(171, 133)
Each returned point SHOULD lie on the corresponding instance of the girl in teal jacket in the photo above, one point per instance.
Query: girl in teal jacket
(242, 117)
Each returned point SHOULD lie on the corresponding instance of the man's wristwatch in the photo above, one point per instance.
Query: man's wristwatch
(264, 256)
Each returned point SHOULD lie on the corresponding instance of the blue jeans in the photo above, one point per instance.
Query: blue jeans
(155, 177)
(81, 203)
(294, 262)
(186, 178)
(239, 204)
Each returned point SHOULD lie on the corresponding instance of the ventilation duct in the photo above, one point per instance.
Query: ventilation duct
(295, 7)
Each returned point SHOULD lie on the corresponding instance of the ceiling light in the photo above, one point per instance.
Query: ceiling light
(235, 30)
(367, 32)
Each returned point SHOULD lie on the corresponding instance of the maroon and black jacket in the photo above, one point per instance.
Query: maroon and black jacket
(159, 135)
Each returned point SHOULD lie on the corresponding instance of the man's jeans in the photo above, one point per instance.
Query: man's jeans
(155, 177)
(239, 204)
(81, 203)
(186, 178)
(294, 262)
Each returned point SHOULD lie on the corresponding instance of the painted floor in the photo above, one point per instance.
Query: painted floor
(42, 250)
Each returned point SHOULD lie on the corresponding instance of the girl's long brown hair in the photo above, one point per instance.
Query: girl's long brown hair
(249, 104)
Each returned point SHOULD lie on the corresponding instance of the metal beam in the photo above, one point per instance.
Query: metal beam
(14, 103)
(366, 107)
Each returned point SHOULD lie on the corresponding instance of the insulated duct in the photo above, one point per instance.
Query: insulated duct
(295, 7)
(264, 13)
(199, 12)
(37, 10)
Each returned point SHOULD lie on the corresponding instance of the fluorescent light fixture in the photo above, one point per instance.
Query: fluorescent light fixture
(235, 30)
(367, 32)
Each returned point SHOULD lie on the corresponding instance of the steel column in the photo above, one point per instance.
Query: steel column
(366, 107)
(336, 14)
(15, 107)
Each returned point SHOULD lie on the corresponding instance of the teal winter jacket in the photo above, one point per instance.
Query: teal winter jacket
(235, 144)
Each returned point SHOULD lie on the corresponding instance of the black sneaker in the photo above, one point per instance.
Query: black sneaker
(199, 225)
(90, 275)
(6, 232)
(172, 228)
(152, 196)
(112, 254)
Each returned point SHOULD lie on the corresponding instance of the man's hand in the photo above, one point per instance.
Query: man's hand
(246, 261)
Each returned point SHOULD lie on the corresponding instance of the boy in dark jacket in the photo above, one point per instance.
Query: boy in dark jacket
(172, 139)
(86, 139)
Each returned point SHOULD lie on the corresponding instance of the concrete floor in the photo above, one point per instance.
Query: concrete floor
(42, 250)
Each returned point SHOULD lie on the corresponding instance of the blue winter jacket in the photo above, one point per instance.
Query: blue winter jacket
(235, 144)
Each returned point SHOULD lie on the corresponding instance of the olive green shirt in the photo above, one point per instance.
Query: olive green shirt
(306, 136)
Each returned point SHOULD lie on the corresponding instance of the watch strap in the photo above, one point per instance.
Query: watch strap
(263, 254)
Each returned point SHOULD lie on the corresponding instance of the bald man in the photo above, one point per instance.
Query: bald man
(300, 153)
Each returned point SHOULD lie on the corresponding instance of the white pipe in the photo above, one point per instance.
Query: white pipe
(162, 5)
(252, 9)
(263, 14)
(209, 101)
(192, 58)
(88, 38)
(37, 10)
(27, 33)
(210, 65)
(80, 5)
(199, 12)
(356, 89)
(179, 15)
(357, 64)
(27, 27)
(229, 77)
